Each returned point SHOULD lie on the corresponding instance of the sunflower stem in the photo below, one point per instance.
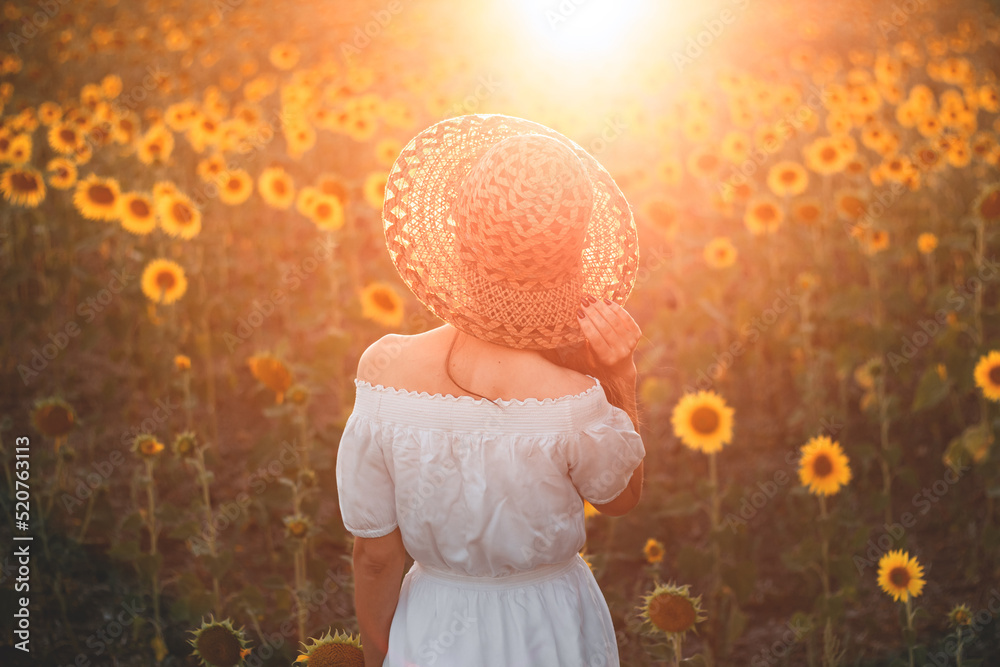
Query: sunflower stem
(883, 414)
(978, 301)
(909, 627)
(151, 525)
(206, 500)
(826, 549)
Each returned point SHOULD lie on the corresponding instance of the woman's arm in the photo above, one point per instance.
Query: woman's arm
(378, 572)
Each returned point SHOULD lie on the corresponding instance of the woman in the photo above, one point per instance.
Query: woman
(473, 446)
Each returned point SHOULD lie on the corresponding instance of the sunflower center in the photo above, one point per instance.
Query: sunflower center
(234, 184)
(671, 613)
(336, 653)
(707, 162)
(822, 466)
(101, 194)
(182, 213)
(899, 577)
(165, 280)
(139, 208)
(705, 420)
(23, 182)
(381, 299)
(279, 187)
(995, 375)
(323, 210)
(828, 154)
(766, 213)
(788, 176)
(217, 645)
(808, 212)
(67, 135)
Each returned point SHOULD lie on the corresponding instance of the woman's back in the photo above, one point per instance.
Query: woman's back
(480, 487)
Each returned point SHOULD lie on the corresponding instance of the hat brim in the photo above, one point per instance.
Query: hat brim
(421, 238)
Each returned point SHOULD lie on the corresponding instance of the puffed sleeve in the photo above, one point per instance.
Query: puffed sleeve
(365, 481)
(603, 456)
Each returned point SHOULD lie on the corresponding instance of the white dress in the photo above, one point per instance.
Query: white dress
(487, 498)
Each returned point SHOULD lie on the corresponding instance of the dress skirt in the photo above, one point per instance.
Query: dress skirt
(551, 616)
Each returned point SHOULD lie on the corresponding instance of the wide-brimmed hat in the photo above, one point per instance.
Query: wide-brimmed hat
(500, 225)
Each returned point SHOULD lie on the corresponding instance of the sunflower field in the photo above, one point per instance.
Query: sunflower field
(192, 261)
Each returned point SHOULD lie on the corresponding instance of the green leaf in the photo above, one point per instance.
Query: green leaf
(736, 624)
(148, 564)
(125, 550)
(679, 504)
(930, 391)
(741, 578)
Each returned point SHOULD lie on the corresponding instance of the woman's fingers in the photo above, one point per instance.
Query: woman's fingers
(611, 331)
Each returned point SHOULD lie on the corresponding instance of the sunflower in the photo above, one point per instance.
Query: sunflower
(97, 198)
(210, 167)
(387, 150)
(381, 303)
(735, 146)
(824, 467)
(330, 184)
(22, 186)
(851, 205)
(18, 150)
(987, 205)
(284, 55)
(670, 171)
(825, 155)
(374, 189)
(926, 243)
(298, 394)
(136, 212)
(662, 213)
(305, 200)
(61, 172)
(49, 113)
(64, 138)
(53, 417)
(672, 610)
(807, 211)
(147, 446)
(336, 650)
(653, 551)
(297, 526)
(272, 373)
(589, 510)
(219, 644)
(276, 187)
(299, 137)
(900, 576)
(787, 178)
(703, 421)
(163, 281)
(960, 615)
(720, 253)
(155, 146)
(236, 187)
(873, 241)
(178, 215)
(763, 216)
(987, 375)
(327, 212)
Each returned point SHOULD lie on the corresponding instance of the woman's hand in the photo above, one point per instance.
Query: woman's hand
(611, 332)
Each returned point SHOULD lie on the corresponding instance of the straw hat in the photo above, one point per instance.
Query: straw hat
(500, 225)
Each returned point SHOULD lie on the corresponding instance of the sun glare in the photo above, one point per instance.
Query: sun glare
(581, 28)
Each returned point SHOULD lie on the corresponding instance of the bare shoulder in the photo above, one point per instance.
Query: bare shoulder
(381, 355)
(553, 381)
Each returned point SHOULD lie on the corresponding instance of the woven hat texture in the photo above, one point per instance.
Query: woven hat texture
(500, 225)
